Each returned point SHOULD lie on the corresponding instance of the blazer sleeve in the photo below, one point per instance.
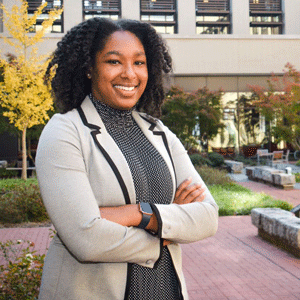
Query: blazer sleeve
(73, 209)
(189, 222)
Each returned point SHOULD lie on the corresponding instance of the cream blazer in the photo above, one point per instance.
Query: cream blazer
(80, 168)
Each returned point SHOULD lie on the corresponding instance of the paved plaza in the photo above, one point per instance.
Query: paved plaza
(234, 264)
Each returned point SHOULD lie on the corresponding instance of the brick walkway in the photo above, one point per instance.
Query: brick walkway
(234, 264)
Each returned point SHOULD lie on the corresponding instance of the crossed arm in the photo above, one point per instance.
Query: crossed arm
(129, 215)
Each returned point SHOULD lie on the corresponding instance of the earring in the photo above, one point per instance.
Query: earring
(89, 76)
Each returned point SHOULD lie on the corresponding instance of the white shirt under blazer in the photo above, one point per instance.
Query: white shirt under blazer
(80, 168)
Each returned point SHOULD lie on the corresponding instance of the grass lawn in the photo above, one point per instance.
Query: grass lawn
(13, 182)
(234, 199)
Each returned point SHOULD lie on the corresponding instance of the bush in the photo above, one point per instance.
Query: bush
(21, 274)
(20, 201)
(199, 160)
(216, 159)
(213, 176)
(246, 160)
(297, 175)
(8, 173)
(298, 163)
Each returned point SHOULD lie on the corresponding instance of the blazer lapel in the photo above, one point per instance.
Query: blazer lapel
(109, 149)
(156, 135)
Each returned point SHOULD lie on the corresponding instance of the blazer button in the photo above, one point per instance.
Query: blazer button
(149, 261)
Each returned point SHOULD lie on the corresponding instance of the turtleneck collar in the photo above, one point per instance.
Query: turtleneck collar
(112, 116)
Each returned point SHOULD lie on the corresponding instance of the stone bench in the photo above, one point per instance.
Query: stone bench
(3, 164)
(279, 227)
(271, 176)
(234, 166)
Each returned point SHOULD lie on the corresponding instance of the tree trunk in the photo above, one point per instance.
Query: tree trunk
(24, 155)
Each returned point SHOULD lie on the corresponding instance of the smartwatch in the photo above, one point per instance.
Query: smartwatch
(146, 210)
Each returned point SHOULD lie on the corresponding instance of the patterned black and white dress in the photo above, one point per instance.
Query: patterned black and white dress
(153, 184)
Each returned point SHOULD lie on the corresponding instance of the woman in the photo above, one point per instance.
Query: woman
(117, 184)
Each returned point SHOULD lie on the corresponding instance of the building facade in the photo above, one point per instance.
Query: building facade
(226, 44)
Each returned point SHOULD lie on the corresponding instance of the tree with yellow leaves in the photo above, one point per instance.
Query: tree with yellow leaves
(25, 98)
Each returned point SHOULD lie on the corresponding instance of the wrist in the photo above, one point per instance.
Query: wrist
(147, 212)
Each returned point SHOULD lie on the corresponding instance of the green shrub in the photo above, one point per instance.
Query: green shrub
(213, 176)
(21, 274)
(297, 175)
(298, 163)
(20, 201)
(8, 173)
(234, 199)
(199, 160)
(246, 160)
(216, 159)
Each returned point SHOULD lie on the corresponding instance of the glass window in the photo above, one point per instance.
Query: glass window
(210, 12)
(161, 14)
(105, 8)
(57, 26)
(265, 11)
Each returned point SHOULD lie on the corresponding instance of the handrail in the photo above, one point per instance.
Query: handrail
(158, 5)
(33, 5)
(265, 5)
(104, 4)
(202, 5)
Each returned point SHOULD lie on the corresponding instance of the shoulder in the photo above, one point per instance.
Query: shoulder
(61, 126)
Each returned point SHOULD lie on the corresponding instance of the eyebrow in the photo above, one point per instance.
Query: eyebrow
(120, 54)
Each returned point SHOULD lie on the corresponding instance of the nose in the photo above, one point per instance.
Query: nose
(128, 71)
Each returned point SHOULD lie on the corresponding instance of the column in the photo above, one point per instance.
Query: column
(240, 20)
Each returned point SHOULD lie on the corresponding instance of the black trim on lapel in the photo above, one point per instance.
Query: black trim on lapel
(105, 154)
(164, 138)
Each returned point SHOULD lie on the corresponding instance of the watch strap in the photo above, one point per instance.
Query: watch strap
(147, 213)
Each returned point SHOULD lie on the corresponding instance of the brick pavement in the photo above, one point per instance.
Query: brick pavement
(237, 264)
(234, 264)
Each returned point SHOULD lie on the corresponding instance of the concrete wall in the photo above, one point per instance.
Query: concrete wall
(209, 59)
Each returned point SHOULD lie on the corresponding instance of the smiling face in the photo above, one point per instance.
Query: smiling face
(119, 75)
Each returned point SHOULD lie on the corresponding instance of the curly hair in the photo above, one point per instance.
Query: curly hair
(75, 55)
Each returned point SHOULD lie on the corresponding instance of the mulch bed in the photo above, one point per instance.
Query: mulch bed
(26, 225)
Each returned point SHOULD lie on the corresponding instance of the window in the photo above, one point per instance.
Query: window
(265, 17)
(105, 9)
(161, 14)
(213, 17)
(57, 26)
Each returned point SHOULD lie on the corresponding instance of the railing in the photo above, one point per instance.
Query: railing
(33, 5)
(212, 5)
(265, 5)
(113, 5)
(164, 5)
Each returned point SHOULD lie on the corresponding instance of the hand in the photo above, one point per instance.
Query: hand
(188, 193)
(166, 243)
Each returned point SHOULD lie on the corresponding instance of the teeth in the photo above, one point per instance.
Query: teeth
(125, 88)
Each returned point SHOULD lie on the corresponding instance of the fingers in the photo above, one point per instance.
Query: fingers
(166, 242)
(182, 186)
(187, 192)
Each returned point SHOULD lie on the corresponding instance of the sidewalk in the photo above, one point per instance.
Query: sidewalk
(234, 264)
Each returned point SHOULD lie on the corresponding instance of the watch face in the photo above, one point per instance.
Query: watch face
(146, 208)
